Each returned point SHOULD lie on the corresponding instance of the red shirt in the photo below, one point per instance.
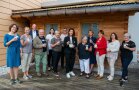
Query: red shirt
(101, 46)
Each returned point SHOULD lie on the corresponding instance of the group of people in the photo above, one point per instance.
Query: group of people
(48, 49)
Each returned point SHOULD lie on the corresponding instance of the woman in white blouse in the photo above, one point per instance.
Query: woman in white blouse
(112, 53)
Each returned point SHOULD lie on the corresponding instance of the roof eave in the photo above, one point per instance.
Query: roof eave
(78, 10)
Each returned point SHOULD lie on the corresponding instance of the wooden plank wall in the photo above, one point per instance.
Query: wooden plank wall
(6, 7)
(109, 22)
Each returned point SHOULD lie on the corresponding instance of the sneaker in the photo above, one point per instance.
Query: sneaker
(124, 80)
(110, 78)
(72, 73)
(12, 82)
(39, 74)
(68, 75)
(17, 81)
(25, 77)
(29, 76)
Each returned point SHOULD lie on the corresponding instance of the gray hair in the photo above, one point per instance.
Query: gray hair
(57, 32)
(41, 30)
(84, 37)
(127, 35)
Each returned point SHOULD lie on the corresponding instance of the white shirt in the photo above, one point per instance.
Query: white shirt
(70, 39)
(113, 46)
(49, 38)
(63, 37)
(34, 34)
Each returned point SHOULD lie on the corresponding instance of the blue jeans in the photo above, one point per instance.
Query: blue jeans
(125, 63)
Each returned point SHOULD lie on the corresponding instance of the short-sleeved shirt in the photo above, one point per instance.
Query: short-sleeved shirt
(27, 48)
(57, 48)
(82, 52)
(125, 52)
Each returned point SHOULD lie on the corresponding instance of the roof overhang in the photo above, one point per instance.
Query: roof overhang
(105, 7)
(58, 3)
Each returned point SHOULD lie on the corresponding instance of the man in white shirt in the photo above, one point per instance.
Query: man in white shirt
(63, 35)
(34, 31)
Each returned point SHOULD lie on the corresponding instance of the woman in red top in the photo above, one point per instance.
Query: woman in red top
(101, 45)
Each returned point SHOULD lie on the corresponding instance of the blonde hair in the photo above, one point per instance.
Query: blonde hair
(26, 28)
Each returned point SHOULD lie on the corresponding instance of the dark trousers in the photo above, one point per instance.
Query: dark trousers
(50, 60)
(125, 63)
(56, 57)
(70, 60)
(62, 57)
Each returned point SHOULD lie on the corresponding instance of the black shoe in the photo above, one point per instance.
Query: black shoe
(121, 83)
(17, 81)
(87, 76)
(49, 68)
(82, 73)
(57, 75)
(124, 80)
(12, 82)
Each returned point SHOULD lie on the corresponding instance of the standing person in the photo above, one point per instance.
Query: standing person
(112, 53)
(34, 32)
(26, 42)
(63, 35)
(40, 46)
(84, 56)
(56, 45)
(92, 41)
(13, 59)
(70, 43)
(127, 49)
(49, 37)
(101, 46)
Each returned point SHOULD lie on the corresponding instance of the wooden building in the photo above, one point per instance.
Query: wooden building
(108, 15)
(6, 7)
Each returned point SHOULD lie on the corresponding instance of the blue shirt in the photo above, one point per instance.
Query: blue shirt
(82, 52)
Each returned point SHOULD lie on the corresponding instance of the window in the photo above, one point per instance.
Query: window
(90, 26)
(49, 26)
